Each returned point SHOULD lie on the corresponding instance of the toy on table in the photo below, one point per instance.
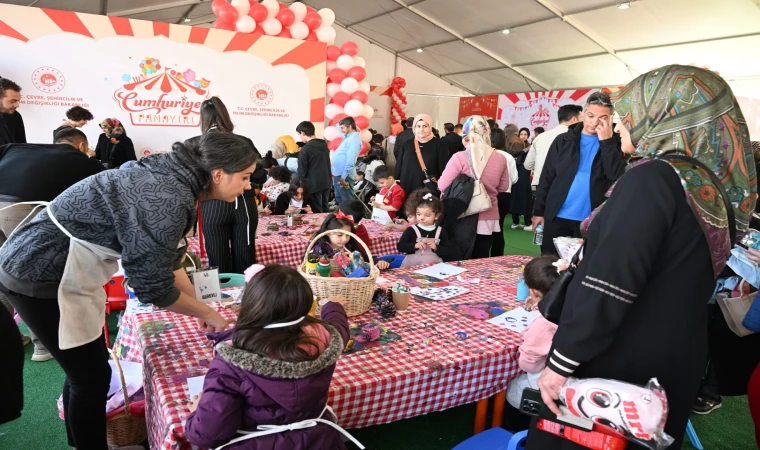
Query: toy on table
(351, 265)
(639, 413)
(370, 333)
(323, 267)
(383, 303)
(273, 226)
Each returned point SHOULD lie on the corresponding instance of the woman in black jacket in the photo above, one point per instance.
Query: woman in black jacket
(114, 146)
(435, 155)
(637, 305)
(295, 200)
(229, 229)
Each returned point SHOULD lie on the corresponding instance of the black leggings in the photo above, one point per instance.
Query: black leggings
(226, 234)
(482, 247)
(88, 374)
(497, 248)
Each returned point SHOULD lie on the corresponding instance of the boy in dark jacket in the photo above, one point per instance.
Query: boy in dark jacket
(314, 166)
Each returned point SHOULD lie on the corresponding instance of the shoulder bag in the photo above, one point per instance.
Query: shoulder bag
(430, 183)
(480, 200)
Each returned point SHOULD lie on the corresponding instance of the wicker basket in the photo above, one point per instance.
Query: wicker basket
(358, 292)
(125, 429)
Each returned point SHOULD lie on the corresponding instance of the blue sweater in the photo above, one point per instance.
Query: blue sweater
(577, 205)
(344, 159)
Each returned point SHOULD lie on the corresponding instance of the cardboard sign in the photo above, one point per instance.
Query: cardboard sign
(207, 287)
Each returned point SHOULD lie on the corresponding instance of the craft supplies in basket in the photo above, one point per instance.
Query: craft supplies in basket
(357, 291)
(128, 428)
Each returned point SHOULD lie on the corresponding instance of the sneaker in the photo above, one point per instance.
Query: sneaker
(516, 226)
(528, 228)
(704, 406)
(25, 339)
(41, 355)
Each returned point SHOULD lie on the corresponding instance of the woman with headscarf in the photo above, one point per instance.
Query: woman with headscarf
(637, 305)
(432, 152)
(283, 156)
(490, 168)
(114, 147)
(521, 198)
(290, 144)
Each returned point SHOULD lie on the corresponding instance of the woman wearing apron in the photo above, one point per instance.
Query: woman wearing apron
(53, 269)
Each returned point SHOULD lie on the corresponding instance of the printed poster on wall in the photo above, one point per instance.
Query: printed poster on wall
(484, 105)
(154, 76)
(537, 109)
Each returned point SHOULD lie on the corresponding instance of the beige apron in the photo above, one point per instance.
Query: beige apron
(381, 215)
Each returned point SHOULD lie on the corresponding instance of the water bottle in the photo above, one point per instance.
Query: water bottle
(538, 236)
(290, 220)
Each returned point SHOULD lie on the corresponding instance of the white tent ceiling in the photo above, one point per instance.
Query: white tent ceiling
(552, 44)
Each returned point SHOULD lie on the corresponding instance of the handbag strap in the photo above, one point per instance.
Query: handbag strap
(422, 161)
(469, 163)
(718, 186)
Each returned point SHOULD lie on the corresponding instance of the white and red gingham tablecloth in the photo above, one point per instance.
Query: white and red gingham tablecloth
(274, 248)
(427, 370)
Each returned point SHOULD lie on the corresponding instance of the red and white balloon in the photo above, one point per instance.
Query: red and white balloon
(398, 100)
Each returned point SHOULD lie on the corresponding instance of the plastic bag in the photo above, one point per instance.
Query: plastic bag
(639, 413)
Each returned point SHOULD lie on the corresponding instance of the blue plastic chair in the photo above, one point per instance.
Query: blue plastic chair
(692, 434)
(495, 439)
(229, 280)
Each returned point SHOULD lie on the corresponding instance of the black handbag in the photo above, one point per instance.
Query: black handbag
(551, 305)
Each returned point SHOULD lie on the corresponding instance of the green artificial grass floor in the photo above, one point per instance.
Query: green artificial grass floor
(729, 427)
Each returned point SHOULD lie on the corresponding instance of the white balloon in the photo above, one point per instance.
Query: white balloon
(331, 133)
(333, 110)
(331, 65)
(349, 86)
(332, 89)
(402, 90)
(366, 136)
(345, 62)
(328, 16)
(353, 108)
(299, 30)
(364, 87)
(368, 111)
(272, 8)
(325, 34)
(242, 6)
(271, 26)
(299, 10)
(245, 24)
(359, 61)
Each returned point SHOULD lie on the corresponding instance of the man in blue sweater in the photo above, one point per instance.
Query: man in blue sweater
(344, 161)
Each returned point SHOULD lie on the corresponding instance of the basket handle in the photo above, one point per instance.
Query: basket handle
(123, 382)
(326, 233)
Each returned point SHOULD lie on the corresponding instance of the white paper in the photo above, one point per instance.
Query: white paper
(132, 376)
(516, 320)
(135, 307)
(441, 271)
(381, 280)
(195, 386)
(207, 288)
(440, 294)
(233, 293)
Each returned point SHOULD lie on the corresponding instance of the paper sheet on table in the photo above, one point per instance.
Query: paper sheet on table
(440, 294)
(441, 271)
(195, 386)
(132, 376)
(134, 306)
(381, 280)
(516, 320)
(234, 295)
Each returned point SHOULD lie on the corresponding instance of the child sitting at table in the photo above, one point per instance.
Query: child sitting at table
(276, 370)
(391, 198)
(354, 210)
(425, 240)
(360, 182)
(540, 274)
(278, 183)
(295, 200)
(337, 242)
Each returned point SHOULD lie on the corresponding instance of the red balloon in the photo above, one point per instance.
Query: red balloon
(309, 9)
(340, 98)
(337, 119)
(259, 13)
(362, 122)
(312, 37)
(228, 13)
(332, 52)
(335, 143)
(365, 148)
(283, 6)
(337, 75)
(286, 16)
(285, 33)
(361, 96)
(357, 72)
(222, 25)
(217, 5)
(312, 20)
(349, 48)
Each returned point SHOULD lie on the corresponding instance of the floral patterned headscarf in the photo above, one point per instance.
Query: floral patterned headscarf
(477, 140)
(111, 127)
(692, 111)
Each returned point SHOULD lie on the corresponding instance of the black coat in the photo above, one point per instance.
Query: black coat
(12, 129)
(114, 155)
(408, 171)
(637, 305)
(454, 142)
(402, 138)
(562, 164)
(12, 375)
(314, 165)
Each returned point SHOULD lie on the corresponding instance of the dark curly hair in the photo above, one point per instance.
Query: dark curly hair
(77, 113)
(281, 174)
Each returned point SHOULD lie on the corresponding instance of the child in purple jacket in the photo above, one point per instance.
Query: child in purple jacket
(276, 370)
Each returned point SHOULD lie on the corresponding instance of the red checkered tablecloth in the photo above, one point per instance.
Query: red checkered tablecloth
(274, 248)
(427, 370)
